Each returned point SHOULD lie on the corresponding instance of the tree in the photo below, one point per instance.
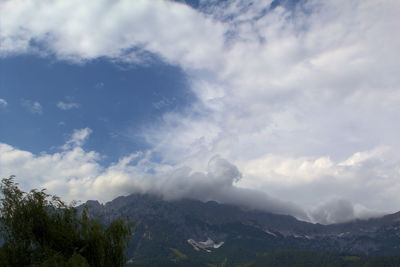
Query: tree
(39, 229)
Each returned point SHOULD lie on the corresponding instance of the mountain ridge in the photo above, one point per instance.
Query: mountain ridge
(188, 226)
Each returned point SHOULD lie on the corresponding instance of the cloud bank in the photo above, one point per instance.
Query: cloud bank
(78, 174)
(302, 99)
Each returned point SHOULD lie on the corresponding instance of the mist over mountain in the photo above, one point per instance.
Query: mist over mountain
(218, 183)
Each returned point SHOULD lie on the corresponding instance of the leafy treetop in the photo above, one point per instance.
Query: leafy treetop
(39, 229)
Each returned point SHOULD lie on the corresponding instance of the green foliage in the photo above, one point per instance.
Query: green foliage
(180, 255)
(38, 229)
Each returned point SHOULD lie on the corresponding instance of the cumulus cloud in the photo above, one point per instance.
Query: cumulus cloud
(3, 103)
(303, 100)
(371, 183)
(33, 107)
(52, 171)
(172, 30)
(76, 174)
(67, 106)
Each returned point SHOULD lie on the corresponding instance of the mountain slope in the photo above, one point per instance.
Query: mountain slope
(186, 229)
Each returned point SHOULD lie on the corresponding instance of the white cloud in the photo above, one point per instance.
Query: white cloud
(369, 180)
(67, 106)
(340, 210)
(78, 138)
(3, 103)
(301, 100)
(51, 171)
(335, 211)
(33, 107)
(77, 174)
(172, 30)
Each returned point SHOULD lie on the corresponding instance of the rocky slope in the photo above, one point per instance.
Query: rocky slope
(196, 229)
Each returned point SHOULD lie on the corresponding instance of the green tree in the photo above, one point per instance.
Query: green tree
(38, 229)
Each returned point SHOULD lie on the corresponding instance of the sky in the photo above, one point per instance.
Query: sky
(285, 106)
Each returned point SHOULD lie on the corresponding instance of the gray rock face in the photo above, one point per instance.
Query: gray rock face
(163, 224)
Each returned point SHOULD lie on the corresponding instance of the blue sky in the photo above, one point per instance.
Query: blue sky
(285, 106)
(115, 100)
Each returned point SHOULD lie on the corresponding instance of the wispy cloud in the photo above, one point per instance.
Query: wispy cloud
(67, 106)
(78, 138)
(99, 85)
(33, 107)
(3, 103)
(164, 102)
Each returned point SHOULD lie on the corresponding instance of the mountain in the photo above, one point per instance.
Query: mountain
(189, 232)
